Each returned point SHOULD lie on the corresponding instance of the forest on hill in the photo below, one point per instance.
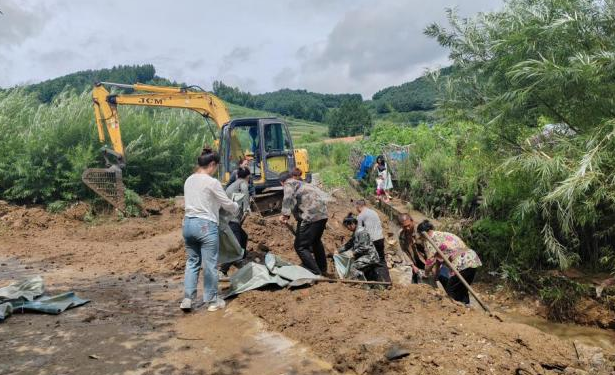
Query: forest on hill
(345, 114)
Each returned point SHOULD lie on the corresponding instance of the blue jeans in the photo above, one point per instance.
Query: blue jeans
(202, 245)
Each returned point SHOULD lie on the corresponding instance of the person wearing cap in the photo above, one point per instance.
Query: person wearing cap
(361, 249)
(306, 203)
(370, 220)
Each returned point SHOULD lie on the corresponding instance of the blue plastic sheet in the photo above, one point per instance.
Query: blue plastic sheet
(366, 165)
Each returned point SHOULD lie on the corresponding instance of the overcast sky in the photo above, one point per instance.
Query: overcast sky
(335, 46)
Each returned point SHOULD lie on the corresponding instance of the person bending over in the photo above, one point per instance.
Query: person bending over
(306, 203)
(464, 259)
(361, 249)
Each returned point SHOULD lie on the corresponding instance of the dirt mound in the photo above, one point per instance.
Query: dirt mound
(354, 328)
(78, 211)
(26, 218)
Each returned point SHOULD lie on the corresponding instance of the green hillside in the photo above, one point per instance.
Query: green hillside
(46, 91)
(301, 130)
(409, 103)
(296, 103)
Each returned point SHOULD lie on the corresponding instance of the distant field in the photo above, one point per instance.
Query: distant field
(298, 128)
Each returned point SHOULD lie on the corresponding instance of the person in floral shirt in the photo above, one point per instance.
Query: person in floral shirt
(465, 260)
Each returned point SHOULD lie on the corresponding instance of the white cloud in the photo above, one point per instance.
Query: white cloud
(377, 45)
(322, 45)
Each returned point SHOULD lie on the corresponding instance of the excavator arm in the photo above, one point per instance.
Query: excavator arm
(107, 182)
(105, 108)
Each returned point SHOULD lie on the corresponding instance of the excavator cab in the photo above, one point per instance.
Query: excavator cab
(267, 144)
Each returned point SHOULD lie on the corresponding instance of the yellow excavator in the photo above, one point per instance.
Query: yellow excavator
(266, 142)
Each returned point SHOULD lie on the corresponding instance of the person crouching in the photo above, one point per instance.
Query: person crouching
(361, 249)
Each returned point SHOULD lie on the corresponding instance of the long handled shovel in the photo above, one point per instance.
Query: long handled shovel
(452, 268)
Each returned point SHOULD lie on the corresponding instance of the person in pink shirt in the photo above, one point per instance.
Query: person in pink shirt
(465, 260)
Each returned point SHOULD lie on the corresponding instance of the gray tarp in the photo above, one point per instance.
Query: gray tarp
(230, 250)
(6, 309)
(50, 304)
(27, 289)
(343, 265)
(27, 296)
(275, 271)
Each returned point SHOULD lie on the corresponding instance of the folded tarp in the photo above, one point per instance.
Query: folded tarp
(27, 296)
(26, 289)
(50, 304)
(6, 309)
(252, 276)
(275, 271)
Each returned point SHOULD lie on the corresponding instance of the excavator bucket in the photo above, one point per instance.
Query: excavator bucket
(107, 183)
(268, 203)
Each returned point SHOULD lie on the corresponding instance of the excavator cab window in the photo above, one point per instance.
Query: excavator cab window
(275, 138)
(277, 147)
(240, 140)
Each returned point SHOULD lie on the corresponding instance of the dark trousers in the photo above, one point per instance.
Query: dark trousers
(242, 238)
(381, 270)
(309, 247)
(456, 290)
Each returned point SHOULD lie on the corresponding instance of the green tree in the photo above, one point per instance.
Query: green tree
(553, 59)
(351, 118)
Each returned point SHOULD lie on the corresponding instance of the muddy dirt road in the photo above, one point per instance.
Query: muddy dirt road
(133, 270)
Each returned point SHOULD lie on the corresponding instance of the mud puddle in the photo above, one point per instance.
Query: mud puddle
(591, 336)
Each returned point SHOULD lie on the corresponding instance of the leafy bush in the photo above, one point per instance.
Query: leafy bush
(351, 118)
(537, 61)
(133, 203)
(493, 238)
(330, 160)
(561, 295)
(44, 148)
(57, 207)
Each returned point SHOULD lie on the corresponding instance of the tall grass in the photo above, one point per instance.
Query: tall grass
(44, 148)
(330, 160)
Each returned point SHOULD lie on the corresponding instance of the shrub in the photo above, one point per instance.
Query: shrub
(560, 295)
(44, 148)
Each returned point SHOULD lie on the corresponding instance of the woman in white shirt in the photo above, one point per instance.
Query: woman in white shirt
(204, 196)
